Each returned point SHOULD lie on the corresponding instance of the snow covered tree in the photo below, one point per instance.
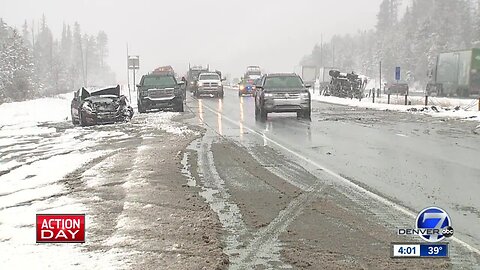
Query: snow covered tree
(36, 64)
(16, 69)
(411, 39)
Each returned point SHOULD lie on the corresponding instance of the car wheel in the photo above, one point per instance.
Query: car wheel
(74, 122)
(180, 108)
(220, 95)
(257, 113)
(263, 114)
(239, 93)
(81, 119)
(307, 114)
(141, 109)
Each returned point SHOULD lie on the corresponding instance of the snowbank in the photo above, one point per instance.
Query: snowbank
(54, 109)
(438, 107)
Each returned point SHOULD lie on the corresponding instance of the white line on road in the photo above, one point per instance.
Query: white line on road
(340, 178)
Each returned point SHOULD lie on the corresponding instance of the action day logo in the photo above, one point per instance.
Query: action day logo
(433, 224)
(61, 228)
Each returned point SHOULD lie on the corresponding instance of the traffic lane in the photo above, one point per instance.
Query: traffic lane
(389, 153)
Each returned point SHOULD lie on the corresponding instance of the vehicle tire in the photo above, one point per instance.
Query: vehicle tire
(180, 108)
(257, 113)
(74, 122)
(239, 93)
(300, 114)
(141, 109)
(196, 94)
(220, 95)
(307, 114)
(81, 119)
(263, 114)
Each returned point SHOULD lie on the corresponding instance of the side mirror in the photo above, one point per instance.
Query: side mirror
(259, 87)
(224, 79)
(138, 85)
(181, 83)
(308, 85)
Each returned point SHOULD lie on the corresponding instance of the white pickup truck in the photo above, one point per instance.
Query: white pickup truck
(209, 84)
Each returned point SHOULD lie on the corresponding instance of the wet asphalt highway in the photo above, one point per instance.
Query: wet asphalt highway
(404, 162)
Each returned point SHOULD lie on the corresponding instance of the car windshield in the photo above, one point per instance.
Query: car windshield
(159, 81)
(283, 82)
(209, 77)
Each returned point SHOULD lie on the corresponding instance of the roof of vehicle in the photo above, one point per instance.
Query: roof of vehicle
(163, 69)
(209, 73)
(281, 74)
(160, 74)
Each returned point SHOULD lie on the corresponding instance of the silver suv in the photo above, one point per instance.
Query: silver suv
(282, 92)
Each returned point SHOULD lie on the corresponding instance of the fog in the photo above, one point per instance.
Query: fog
(228, 35)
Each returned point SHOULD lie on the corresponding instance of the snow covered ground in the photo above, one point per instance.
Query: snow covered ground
(437, 106)
(38, 148)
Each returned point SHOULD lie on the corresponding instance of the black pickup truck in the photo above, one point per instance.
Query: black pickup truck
(160, 91)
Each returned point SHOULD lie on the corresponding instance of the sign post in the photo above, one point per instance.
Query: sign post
(133, 64)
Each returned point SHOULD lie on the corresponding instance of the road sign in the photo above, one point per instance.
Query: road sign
(397, 73)
(133, 62)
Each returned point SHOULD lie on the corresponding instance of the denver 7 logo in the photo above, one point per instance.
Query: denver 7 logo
(433, 218)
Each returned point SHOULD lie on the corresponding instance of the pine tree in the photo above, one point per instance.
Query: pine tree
(16, 69)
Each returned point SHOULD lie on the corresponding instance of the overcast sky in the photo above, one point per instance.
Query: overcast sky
(227, 34)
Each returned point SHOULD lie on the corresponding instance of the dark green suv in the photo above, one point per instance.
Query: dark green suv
(159, 91)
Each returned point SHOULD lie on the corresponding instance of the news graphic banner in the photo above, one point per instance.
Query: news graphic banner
(433, 226)
(420, 250)
(60, 228)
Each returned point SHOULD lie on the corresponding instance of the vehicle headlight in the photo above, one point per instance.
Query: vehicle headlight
(242, 87)
(268, 95)
(200, 84)
(191, 82)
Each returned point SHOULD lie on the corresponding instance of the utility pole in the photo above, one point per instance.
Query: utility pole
(86, 61)
(134, 85)
(128, 78)
(333, 55)
(321, 50)
(380, 76)
(83, 66)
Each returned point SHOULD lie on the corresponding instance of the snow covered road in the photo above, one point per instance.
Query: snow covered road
(49, 166)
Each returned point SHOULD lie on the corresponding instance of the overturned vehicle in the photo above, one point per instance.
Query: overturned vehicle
(100, 106)
(345, 85)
